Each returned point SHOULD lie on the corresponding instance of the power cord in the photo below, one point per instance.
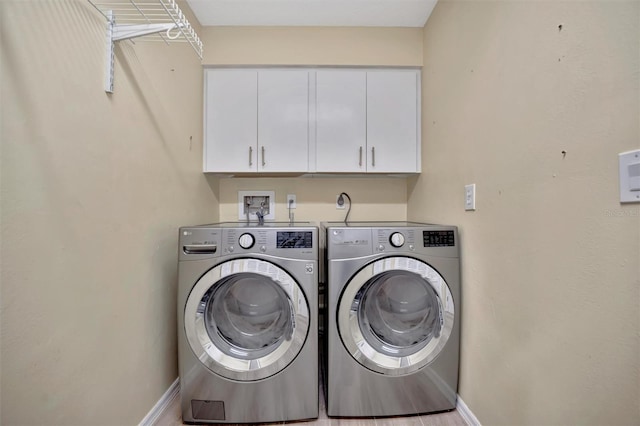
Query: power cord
(341, 202)
(290, 214)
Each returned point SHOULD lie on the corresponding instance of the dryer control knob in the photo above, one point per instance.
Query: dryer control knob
(380, 247)
(246, 241)
(396, 239)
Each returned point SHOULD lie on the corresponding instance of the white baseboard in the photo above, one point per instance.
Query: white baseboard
(163, 403)
(172, 393)
(466, 413)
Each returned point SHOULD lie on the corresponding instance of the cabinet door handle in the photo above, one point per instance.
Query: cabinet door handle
(373, 156)
(360, 160)
(263, 160)
(250, 156)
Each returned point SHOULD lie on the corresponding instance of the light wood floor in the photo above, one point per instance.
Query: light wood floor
(173, 417)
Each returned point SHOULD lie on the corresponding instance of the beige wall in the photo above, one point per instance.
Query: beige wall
(312, 46)
(374, 198)
(93, 189)
(99, 183)
(550, 331)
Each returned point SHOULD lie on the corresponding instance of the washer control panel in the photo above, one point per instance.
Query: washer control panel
(396, 239)
(200, 242)
(295, 243)
(246, 241)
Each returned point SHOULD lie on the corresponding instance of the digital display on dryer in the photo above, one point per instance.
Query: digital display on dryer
(294, 239)
(438, 238)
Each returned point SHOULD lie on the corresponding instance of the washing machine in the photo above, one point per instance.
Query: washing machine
(393, 318)
(247, 322)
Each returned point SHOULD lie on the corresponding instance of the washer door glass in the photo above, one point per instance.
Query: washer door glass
(247, 315)
(246, 319)
(395, 315)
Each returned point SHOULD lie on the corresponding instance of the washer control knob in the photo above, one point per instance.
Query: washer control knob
(231, 249)
(411, 247)
(380, 247)
(396, 239)
(246, 241)
(263, 248)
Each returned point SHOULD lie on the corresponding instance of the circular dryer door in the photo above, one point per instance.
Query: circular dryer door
(246, 319)
(395, 315)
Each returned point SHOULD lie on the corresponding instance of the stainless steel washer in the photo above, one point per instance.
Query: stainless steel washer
(393, 308)
(247, 322)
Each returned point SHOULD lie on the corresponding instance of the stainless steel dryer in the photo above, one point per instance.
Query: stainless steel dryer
(247, 323)
(393, 328)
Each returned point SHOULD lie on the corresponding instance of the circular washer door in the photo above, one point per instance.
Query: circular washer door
(395, 315)
(246, 319)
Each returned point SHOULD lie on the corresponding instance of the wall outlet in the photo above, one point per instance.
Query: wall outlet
(291, 201)
(470, 197)
(341, 204)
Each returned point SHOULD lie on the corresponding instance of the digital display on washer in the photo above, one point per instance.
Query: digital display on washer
(294, 239)
(438, 238)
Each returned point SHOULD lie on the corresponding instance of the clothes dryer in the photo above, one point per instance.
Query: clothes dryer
(247, 323)
(393, 318)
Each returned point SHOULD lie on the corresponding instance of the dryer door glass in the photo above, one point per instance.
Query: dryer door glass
(395, 315)
(398, 312)
(246, 319)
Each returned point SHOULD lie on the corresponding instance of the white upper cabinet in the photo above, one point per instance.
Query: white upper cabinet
(341, 121)
(393, 131)
(256, 121)
(283, 120)
(295, 120)
(231, 128)
(367, 121)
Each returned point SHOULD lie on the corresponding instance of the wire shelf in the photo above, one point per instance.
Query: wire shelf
(148, 20)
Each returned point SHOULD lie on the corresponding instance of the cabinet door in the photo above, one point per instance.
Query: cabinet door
(393, 139)
(341, 121)
(231, 104)
(283, 120)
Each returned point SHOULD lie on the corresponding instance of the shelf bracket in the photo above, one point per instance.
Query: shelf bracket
(124, 32)
(144, 18)
(117, 32)
(108, 84)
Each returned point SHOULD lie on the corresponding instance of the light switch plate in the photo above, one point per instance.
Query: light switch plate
(470, 197)
(629, 163)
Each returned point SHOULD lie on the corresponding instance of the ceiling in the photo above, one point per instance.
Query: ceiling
(330, 13)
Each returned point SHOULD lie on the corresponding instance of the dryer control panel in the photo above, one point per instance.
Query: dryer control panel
(355, 240)
(441, 238)
(395, 240)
